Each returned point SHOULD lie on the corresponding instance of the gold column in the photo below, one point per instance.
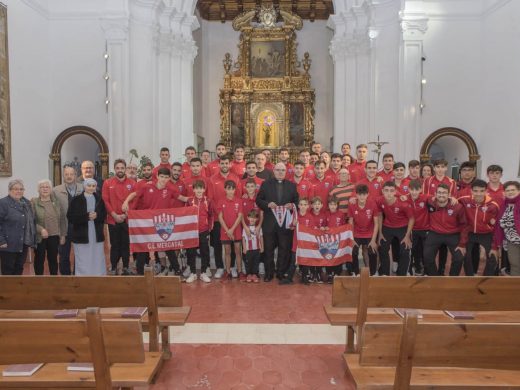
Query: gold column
(56, 168)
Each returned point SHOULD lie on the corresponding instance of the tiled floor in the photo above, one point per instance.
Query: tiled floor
(237, 302)
(225, 367)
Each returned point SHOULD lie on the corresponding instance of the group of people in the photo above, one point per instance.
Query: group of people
(402, 222)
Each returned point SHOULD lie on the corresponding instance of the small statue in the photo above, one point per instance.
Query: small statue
(267, 134)
(227, 63)
(306, 62)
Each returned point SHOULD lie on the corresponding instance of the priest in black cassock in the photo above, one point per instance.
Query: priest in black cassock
(277, 197)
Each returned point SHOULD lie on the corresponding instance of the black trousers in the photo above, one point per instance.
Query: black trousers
(282, 239)
(119, 244)
(443, 259)
(11, 263)
(174, 262)
(204, 253)
(141, 259)
(384, 249)
(49, 246)
(418, 240)
(64, 252)
(475, 240)
(433, 242)
(252, 259)
(372, 256)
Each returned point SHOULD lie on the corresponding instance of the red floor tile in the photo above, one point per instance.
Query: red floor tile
(271, 367)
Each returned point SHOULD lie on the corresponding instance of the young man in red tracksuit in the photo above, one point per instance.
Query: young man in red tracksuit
(321, 184)
(430, 184)
(304, 218)
(481, 213)
(447, 222)
(194, 174)
(419, 203)
(205, 218)
(397, 225)
(335, 218)
(371, 180)
(363, 216)
(114, 193)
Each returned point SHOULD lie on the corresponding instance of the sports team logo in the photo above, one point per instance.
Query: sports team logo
(164, 225)
(328, 245)
(450, 212)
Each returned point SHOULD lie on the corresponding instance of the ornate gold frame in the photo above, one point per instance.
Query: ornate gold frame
(293, 87)
(470, 143)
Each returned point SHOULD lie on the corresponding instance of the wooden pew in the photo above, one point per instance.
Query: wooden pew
(373, 299)
(421, 355)
(40, 296)
(115, 347)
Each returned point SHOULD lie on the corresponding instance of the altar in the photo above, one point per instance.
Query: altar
(267, 101)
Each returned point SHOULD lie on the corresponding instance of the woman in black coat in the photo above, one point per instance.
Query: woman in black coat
(87, 215)
(17, 229)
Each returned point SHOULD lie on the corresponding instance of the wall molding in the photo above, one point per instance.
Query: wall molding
(38, 7)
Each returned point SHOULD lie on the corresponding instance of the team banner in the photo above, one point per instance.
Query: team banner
(279, 213)
(163, 230)
(324, 248)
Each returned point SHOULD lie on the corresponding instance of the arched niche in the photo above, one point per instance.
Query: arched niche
(473, 154)
(55, 155)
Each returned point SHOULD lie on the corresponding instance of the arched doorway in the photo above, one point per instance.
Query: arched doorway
(56, 152)
(438, 138)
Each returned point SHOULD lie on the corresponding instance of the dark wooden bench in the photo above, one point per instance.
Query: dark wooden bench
(41, 296)
(114, 347)
(423, 355)
(373, 299)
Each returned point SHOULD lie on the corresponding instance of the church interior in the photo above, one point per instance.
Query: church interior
(425, 80)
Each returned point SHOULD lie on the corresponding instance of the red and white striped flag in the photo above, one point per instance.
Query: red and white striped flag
(324, 248)
(163, 230)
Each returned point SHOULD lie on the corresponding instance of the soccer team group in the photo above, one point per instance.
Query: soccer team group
(402, 222)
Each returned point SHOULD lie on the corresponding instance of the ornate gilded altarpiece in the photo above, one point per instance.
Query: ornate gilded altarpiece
(267, 100)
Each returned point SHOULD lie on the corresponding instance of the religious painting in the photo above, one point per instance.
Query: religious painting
(266, 129)
(267, 59)
(296, 125)
(5, 120)
(238, 128)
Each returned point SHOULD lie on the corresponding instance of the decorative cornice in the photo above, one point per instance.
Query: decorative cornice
(115, 28)
(38, 7)
(413, 24)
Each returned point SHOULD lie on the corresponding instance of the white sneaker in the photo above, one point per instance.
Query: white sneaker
(205, 278)
(261, 269)
(191, 278)
(208, 272)
(219, 273)
(234, 273)
(187, 272)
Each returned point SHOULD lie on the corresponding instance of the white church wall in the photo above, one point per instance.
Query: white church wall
(453, 69)
(77, 70)
(30, 95)
(500, 137)
(218, 38)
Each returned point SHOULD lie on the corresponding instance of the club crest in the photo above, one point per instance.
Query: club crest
(164, 225)
(328, 245)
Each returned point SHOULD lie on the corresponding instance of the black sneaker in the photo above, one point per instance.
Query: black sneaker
(285, 281)
(126, 272)
(318, 278)
(330, 278)
(304, 280)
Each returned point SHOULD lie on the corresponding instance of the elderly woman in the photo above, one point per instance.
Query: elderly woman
(50, 228)
(87, 215)
(507, 227)
(17, 229)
